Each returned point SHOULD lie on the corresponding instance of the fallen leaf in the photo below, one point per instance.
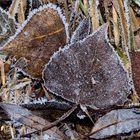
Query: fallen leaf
(24, 116)
(135, 64)
(71, 71)
(82, 30)
(116, 122)
(40, 36)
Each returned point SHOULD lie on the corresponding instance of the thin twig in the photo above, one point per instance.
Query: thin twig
(2, 72)
(53, 123)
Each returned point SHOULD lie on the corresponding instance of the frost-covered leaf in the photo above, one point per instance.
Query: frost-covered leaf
(116, 122)
(39, 37)
(88, 72)
(135, 63)
(7, 27)
(82, 30)
(24, 116)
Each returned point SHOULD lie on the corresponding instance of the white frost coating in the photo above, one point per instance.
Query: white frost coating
(41, 8)
(84, 108)
(30, 3)
(127, 17)
(81, 116)
(40, 101)
(46, 137)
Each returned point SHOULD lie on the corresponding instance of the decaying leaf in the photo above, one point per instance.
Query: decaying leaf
(7, 26)
(40, 36)
(116, 122)
(24, 116)
(135, 63)
(88, 72)
(82, 30)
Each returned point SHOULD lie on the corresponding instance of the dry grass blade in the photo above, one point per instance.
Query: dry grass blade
(131, 44)
(115, 26)
(83, 8)
(14, 8)
(3, 77)
(86, 3)
(134, 19)
(120, 9)
(21, 11)
(94, 14)
(66, 10)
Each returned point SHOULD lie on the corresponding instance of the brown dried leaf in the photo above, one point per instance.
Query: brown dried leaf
(41, 35)
(24, 116)
(116, 122)
(135, 63)
(88, 72)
